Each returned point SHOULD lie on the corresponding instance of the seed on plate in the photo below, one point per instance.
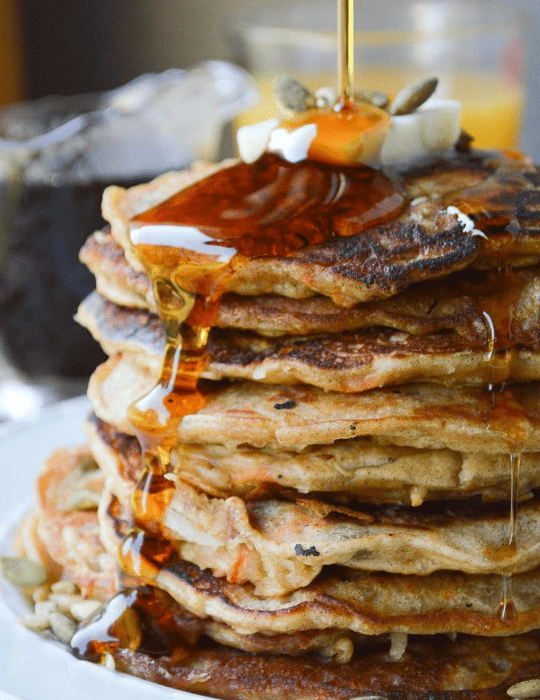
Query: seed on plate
(41, 593)
(62, 626)
(292, 95)
(45, 608)
(412, 96)
(84, 608)
(525, 689)
(36, 623)
(64, 601)
(107, 660)
(22, 572)
(88, 464)
(67, 587)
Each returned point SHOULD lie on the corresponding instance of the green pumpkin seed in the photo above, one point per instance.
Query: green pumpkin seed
(22, 572)
(412, 96)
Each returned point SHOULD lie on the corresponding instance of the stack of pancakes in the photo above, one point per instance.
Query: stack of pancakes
(354, 475)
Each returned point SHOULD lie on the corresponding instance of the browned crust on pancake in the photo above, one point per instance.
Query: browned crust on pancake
(352, 361)
(433, 669)
(456, 304)
(364, 602)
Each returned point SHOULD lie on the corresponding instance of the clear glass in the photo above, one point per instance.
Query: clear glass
(56, 156)
(475, 47)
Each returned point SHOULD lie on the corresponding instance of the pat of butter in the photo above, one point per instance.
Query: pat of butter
(431, 130)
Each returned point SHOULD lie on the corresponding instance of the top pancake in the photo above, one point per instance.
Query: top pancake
(425, 242)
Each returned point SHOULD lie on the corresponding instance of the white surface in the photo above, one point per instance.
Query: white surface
(32, 667)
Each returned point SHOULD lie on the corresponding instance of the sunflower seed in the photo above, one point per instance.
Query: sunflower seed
(21, 572)
(525, 689)
(292, 95)
(64, 601)
(36, 623)
(62, 626)
(45, 608)
(41, 593)
(107, 660)
(84, 609)
(398, 645)
(412, 96)
(67, 587)
(379, 99)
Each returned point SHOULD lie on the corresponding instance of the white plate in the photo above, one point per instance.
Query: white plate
(32, 667)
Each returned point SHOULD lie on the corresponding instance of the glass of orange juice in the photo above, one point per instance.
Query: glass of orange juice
(475, 48)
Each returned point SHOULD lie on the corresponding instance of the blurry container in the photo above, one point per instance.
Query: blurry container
(475, 47)
(56, 156)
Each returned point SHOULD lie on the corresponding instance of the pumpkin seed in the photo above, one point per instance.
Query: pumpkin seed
(292, 95)
(22, 572)
(88, 464)
(81, 500)
(412, 96)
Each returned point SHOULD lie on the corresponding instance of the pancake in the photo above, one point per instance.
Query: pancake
(371, 603)
(424, 243)
(71, 534)
(352, 361)
(428, 416)
(459, 303)
(471, 669)
(349, 471)
(68, 490)
(331, 643)
(280, 546)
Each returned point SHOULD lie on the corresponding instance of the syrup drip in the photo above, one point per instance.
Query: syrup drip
(345, 11)
(145, 619)
(504, 417)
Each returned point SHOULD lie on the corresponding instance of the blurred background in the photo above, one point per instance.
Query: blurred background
(486, 52)
(64, 47)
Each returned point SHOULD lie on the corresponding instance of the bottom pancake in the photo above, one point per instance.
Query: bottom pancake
(434, 668)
